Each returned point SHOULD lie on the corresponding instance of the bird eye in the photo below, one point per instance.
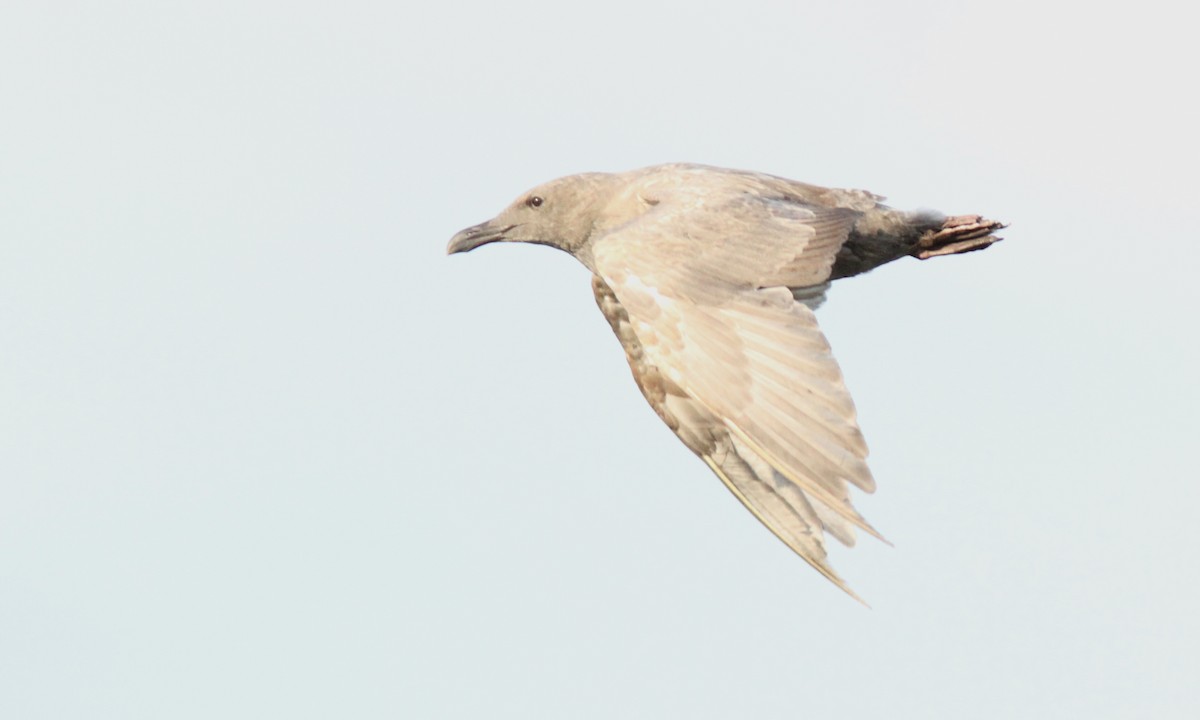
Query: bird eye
(534, 201)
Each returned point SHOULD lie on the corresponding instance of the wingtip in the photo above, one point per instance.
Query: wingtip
(862, 602)
(837, 580)
(817, 564)
(877, 535)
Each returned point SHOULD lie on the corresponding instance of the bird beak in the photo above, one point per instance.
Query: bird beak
(476, 235)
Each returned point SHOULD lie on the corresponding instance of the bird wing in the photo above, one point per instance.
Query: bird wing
(741, 372)
(741, 229)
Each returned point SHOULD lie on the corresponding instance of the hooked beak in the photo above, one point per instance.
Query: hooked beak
(476, 235)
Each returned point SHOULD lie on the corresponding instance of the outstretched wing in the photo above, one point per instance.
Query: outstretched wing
(735, 364)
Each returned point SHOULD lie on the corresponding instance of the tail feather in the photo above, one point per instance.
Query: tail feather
(884, 235)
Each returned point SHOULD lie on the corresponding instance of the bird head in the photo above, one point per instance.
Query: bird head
(560, 213)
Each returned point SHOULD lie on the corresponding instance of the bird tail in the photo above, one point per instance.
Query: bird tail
(957, 234)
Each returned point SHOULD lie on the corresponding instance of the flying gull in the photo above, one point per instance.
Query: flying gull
(709, 278)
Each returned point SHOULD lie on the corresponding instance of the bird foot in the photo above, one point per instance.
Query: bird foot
(958, 234)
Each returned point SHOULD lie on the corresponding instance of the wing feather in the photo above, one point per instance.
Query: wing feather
(705, 292)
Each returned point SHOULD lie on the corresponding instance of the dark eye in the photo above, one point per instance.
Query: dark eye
(534, 201)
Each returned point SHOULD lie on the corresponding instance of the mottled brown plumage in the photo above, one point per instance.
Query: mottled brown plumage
(709, 277)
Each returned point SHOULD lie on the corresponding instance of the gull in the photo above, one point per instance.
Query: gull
(709, 278)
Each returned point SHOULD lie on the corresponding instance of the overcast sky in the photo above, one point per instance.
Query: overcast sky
(266, 452)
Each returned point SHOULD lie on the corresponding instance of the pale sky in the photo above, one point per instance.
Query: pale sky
(266, 452)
